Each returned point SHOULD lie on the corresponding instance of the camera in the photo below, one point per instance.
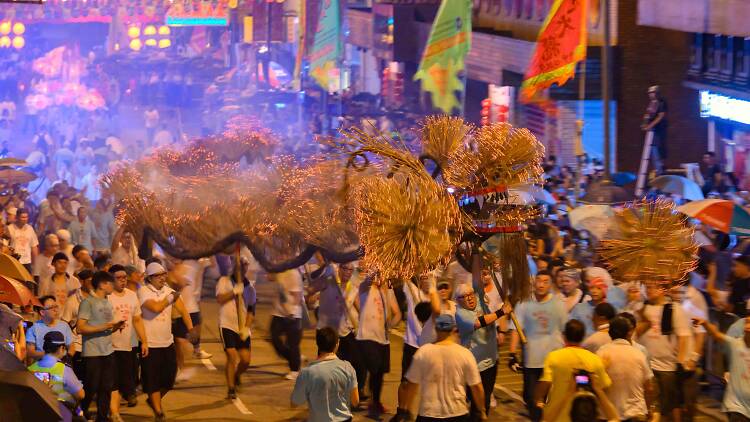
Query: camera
(583, 380)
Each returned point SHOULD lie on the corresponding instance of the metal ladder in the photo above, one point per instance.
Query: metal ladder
(640, 185)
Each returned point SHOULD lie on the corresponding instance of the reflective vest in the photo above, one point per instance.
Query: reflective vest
(53, 377)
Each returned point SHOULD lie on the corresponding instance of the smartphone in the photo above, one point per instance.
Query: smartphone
(583, 380)
(42, 376)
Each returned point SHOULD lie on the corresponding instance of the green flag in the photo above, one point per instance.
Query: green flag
(443, 57)
(327, 47)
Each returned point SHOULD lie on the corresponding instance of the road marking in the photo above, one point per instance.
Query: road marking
(208, 364)
(509, 392)
(241, 406)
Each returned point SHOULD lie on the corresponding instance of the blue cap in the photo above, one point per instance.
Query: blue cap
(445, 322)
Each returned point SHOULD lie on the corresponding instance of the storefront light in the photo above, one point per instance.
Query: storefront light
(151, 42)
(5, 41)
(5, 28)
(164, 30)
(134, 32)
(19, 28)
(18, 43)
(149, 30)
(135, 44)
(164, 43)
(724, 107)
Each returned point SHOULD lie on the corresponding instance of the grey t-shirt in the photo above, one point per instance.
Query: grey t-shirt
(96, 311)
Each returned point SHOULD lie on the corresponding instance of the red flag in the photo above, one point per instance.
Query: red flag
(561, 44)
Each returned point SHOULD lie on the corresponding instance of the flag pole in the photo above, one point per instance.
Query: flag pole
(605, 89)
(579, 127)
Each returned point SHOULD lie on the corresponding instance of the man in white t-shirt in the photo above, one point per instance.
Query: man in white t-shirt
(126, 308)
(286, 320)
(23, 239)
(629, 369)
(191, 294)
(667, 343)
(378, 313)
(233, 296)
(441, 371)
(159, 368)
(59, 284)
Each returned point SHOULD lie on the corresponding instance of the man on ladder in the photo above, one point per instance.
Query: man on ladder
(654, 147)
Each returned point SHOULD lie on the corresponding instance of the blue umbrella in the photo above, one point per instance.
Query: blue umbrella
(678, 185)
(623, 178)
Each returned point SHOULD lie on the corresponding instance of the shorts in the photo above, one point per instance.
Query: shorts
(668, 391)
(231, 340)
(179, 329)
(406, 359)
(159, 369)
(125, 364)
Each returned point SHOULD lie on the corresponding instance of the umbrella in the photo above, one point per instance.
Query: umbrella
(23, 397)
(593, 218)
(13, 177)
(539, 194)
(623, 178)
(723, 215)
(13, 162)
(10, 267)
(678, 185)
(13, 291)
(8, 321)
(605, 193)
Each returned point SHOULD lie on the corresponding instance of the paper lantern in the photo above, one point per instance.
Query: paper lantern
(18, 43)
(164, 30)
(5, 41)
(134, 32)
(149, 30)
(19, 28)
(5, 28)
(151, 42)
(164, 43)
(135, 44)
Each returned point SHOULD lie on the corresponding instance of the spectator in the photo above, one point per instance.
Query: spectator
(43, 263)
(286, 322)
(632, 392)
(560, 367)
(329, 384)
(50, 314)
(82, 230)
(584, 311)
(568, 282)
(23, 240)
(59, 284)
(442, 372)
(603, 313)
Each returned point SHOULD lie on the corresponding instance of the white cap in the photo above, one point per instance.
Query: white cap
(63, 234)
(154, 268)
(599, 272)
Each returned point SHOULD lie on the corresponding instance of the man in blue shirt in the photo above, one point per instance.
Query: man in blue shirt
(329, 384)
(50, 313)
(542, 319)
(478, 333)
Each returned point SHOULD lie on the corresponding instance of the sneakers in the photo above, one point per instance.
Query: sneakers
(292, 376)
(232, 394)
(201, 354)
(184, 375)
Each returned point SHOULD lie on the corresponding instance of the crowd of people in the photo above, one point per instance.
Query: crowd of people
(585, 343)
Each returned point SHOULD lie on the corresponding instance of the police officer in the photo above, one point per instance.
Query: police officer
(56, 374)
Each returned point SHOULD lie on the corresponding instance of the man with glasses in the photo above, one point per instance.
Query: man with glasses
(159, 367)
(542, 319)
(478, 332)
(50, 314)
(96, 323)
(126, 308)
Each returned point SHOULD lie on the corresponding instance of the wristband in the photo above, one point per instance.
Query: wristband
(499, 313)
(482, 321)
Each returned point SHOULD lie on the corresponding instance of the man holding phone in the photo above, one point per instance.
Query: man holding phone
(95, 323)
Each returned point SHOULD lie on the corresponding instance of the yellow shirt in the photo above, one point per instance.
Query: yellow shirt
(559, 369)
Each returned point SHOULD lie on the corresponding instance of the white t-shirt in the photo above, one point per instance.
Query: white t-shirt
(458, 274)
(628, 368)
(61, 291)
(662, 348)
(124, 308)
(414, 295)
(22, 241)
(191, 294)
(228, 312)
(493, 299)
(290, 286)
(373, 313)
(128, 257)
(596, 340)
(158, 325)
(428, 334)
(442, 372)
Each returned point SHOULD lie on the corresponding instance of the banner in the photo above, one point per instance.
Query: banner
(560, 45)
(327, 47)
(443, 57)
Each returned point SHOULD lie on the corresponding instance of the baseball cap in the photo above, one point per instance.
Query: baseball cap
(154, 268)
(445, 322)
(54, 337)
